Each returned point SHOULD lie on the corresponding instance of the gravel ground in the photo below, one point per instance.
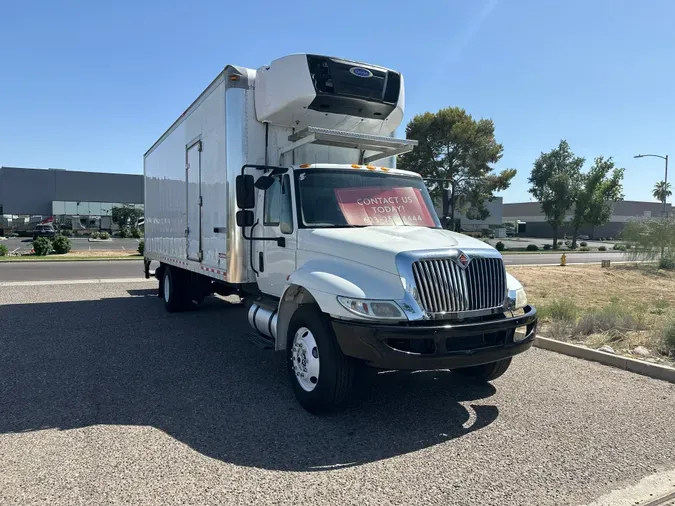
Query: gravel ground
(107, 399)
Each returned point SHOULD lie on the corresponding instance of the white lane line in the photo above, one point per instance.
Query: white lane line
(74, 282)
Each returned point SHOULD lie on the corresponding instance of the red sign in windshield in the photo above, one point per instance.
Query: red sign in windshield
(384, 206)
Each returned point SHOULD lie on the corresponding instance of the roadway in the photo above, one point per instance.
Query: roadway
(107, 399)
(111, 269)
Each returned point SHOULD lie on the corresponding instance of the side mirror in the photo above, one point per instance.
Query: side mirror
(245, 193)
(245, 218)
(264, 183)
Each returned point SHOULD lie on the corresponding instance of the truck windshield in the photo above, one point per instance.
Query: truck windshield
(356, 198)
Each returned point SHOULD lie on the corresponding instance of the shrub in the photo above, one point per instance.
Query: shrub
(547, 247)
(500, 246)
(532, 247)
(583, 244)
(104, 235)
(627, 246)
(585, 248)
(560, 309)
(4, 250)
(136, 233)
(95, 235)
(612, 317)
(567, 243)
(42, 246)
(125, 233)
(602, 248)
(619, 247)
(141, 247)
(61, 245)
(667, 262)
(67, 232)
(559, 243)
(668, 336)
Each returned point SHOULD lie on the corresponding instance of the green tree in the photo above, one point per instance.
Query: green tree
(457, 149)
(662, 191)
(126, 216)
(555, 181)
(599, 188)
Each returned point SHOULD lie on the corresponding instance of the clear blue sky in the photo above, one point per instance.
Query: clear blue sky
(90, 85)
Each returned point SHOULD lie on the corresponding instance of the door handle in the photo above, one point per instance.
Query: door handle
(261, 262)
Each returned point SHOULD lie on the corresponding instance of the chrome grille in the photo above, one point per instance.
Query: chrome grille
(443, 286)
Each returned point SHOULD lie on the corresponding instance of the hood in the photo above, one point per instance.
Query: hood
(378, 246)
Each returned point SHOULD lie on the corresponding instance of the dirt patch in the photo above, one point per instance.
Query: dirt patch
(626, 306)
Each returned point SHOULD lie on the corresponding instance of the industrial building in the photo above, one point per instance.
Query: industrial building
(70, 199)
(532, 222)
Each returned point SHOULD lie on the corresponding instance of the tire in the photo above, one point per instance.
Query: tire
(173, 290)
(322, 377)
(486, 372)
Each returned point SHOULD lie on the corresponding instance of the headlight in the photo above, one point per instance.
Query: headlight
(517, 298)
(376, 309)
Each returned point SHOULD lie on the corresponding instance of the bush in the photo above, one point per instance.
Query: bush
(667, 262)
(500, 246)
(532, 247)
(42, 246)
(583, 244)
(125, 233)
(4, 250)
(136, 233)
(61, 245)
(141, 247)
(67, 232)
(559, 243)
(602, 248)
(561, 309)
(547, 247)
(619, 247)
(104, 235)
(585, 248)
(668, 336)
(95, 235)
(612, 317)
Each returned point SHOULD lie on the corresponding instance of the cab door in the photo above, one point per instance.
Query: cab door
(273, 261)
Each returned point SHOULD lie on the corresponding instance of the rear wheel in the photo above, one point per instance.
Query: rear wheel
(173, 290)
(322, 377)
(486, 372)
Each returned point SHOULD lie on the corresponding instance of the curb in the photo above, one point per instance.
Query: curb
(74, 259)
(655, 371)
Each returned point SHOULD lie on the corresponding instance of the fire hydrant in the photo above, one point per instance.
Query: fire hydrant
(563, 260)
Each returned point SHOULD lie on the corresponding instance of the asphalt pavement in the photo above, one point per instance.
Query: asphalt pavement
(554, 258)
(107, 399)
(62, 270)
(24, 244)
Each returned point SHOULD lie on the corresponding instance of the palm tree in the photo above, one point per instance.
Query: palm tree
(662, 191)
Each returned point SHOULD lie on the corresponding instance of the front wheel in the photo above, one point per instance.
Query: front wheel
(322, 377)
(486, 372)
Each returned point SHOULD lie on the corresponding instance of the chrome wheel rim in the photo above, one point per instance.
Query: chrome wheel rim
(167, 288)
(305, 359)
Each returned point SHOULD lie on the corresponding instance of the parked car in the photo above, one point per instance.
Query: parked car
(583, 237)
(44, 231)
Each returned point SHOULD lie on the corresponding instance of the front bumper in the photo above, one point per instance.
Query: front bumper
(448, 346)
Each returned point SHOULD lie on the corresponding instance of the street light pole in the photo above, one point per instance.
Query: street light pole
(665, 179)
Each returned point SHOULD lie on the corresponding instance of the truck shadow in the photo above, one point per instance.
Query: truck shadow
(124, 361)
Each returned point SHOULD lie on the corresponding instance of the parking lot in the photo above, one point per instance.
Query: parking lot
(107, 399)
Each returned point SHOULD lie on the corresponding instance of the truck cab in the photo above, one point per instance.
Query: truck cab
(293, 201)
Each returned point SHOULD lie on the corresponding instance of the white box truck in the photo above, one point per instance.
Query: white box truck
(280, 185)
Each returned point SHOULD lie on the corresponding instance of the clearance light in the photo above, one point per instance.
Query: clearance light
(305, 165)
(234, 78)
(370, 167)
(356, 166)
(385, 169)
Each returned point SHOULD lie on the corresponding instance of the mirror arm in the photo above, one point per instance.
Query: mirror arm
(281, 241)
